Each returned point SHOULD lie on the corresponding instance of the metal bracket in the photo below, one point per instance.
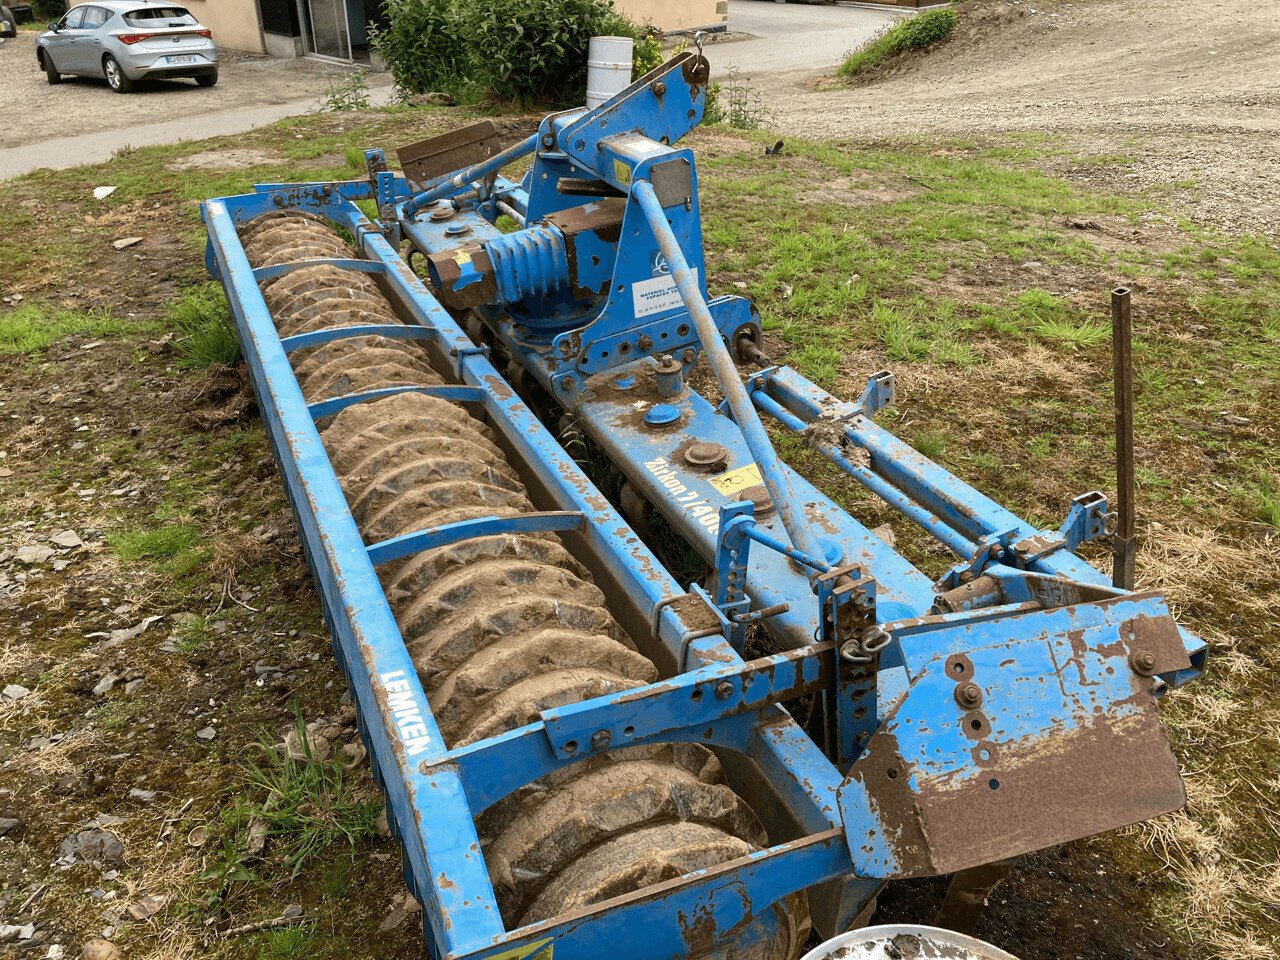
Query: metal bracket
(696, 699)
(877, 394)
(732, 557)
(1086, 520)
(992, 548)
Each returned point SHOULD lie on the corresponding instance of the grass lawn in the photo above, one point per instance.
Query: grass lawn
(975, 270)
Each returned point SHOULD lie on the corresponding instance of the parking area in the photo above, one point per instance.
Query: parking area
(82, 121)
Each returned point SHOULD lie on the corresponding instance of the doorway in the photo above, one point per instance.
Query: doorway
(336, 29)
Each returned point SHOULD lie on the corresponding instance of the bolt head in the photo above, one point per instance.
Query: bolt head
(969, 695)
(724, 690)
(689, 355)
(1143, 662)
(601, 739)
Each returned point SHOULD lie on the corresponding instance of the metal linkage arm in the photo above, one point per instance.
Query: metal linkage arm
(470, 174)
(744, 413)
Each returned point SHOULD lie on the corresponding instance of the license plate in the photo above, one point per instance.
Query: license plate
(176, 61)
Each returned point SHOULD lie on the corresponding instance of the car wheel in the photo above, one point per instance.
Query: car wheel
(50, 74)
(207, 79)
(116, 79)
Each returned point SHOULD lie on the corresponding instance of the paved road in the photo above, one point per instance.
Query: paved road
(793, 37)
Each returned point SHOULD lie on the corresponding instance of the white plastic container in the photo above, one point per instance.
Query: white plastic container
(905, 940)
(608, 68)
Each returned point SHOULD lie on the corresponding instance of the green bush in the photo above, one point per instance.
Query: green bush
(47, 10)
(915, 33)
(423, 45)
(523, 51)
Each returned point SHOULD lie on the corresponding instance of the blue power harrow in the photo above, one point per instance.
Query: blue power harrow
(581, 756)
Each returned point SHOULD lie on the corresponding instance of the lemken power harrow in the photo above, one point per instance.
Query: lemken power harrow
(580, 756)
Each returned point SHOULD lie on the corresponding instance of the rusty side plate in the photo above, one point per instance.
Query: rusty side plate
(436, 156)
(1060, 740)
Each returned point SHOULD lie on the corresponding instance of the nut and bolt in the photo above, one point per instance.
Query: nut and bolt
(1143, 662)
(724, 690)
(645, 343)
(969, 695)
(689, 355)
(601, 739)
(659, 88)
(548, 140)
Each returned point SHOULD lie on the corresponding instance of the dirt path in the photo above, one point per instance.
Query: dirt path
(1190, 93)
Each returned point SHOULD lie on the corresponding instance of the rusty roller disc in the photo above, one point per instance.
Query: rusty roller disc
(502, 627)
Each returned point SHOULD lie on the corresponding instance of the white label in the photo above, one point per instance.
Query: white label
(407, 712)
(703, 512)
(656, 295)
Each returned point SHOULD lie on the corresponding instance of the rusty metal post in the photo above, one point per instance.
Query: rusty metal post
(1124, 545)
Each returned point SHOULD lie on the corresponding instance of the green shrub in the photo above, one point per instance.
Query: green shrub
(915, 33)
(522, 51)
(46, 10)
(423, 46)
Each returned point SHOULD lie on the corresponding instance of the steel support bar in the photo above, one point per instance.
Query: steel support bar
(937, 490)
(470, 174)
(744, 414)
(954, 541)
(340, 263)
(394, 331)
(1124, 547)
(407, 544)
(685, 916)
(694, 699)
(446, 391)
(753, 532)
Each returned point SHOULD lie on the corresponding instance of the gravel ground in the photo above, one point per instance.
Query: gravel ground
(1190, 93)
(35, 112)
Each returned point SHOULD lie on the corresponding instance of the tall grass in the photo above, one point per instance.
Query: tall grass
(32, 328)
(206, 332)
(916, 33)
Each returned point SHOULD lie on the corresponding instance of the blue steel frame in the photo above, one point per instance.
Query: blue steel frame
(835, 833)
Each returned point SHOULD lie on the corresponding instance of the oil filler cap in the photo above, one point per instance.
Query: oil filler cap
(662, 415)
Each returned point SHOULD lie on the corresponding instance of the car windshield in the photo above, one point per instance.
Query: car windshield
(160, 17)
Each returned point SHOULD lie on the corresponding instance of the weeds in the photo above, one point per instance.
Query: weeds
(206, 332)
(32, 328)
(930, 443)
(898, 332)
(346, 91)
(175, 549)
(736, 103)
(307, 803)
(916, 33)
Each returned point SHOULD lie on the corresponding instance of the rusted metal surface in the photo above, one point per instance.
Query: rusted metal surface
(436, 156)
(1124, 547)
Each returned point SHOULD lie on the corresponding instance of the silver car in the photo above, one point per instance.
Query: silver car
(125, 42)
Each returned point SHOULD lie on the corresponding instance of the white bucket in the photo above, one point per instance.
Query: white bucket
(608, 68)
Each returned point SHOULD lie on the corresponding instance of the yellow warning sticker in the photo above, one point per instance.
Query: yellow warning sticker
(540, 950)
(621, 172)
(731, 481)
